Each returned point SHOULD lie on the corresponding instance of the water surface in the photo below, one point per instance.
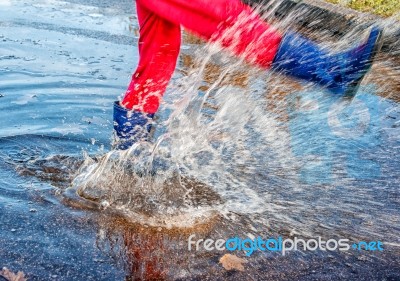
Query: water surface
(277, 159)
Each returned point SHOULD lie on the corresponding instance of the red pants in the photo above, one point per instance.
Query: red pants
(229, 22)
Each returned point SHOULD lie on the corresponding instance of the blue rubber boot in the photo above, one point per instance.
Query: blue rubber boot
(130, 126)
(341, 73)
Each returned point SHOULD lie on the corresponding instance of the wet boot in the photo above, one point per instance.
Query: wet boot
(130, 127)
(341, 73)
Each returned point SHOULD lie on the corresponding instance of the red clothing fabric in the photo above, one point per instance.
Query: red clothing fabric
(230, 23)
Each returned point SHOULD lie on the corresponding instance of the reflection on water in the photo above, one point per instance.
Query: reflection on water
(237, 152)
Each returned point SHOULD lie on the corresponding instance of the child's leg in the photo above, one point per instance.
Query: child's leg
(251, 37)
(159, 45)
(236, 27)
(160, 39)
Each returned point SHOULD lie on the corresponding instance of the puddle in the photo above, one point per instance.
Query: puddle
(237, 152)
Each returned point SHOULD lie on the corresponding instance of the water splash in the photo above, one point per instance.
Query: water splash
(309, 193)
(286, 152)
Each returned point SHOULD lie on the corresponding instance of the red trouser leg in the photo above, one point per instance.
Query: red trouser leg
(159, 45)
(229, 22)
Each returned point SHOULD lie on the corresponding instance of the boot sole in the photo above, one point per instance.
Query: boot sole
(354, 86)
